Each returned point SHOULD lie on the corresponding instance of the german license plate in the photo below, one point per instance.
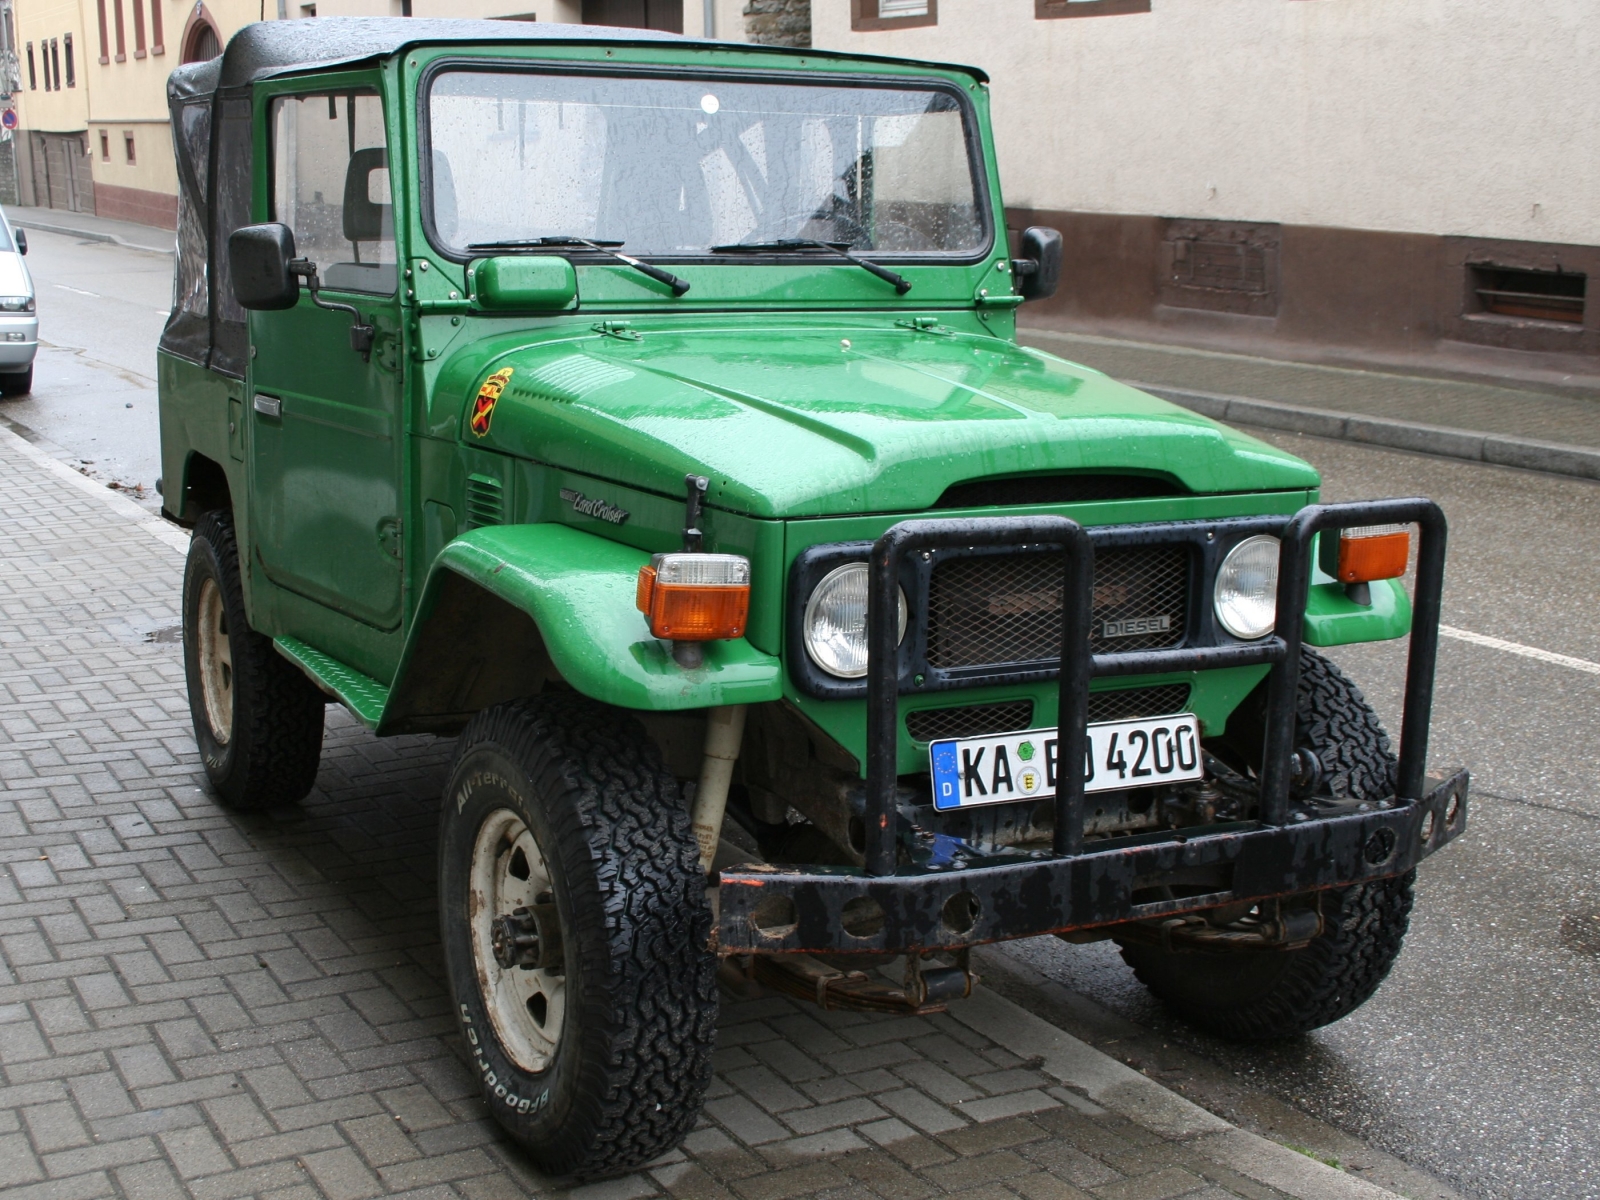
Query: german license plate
(1022, 766)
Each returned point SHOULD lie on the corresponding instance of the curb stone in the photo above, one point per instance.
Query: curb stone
(1140, 1099)
(1495, 449)
(91, 235)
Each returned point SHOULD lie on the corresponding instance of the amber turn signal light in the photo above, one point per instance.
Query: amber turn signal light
(1373, 552)
(695, 597)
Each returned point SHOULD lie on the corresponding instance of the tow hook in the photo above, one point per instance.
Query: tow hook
(529, 938)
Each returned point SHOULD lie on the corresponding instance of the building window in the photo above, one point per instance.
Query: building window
(892, 14)
(105, 146)
(33, 79)
(122, 45)
(156, 46)
(1049, 9)
(72, 73)
(127, 146)
(138, 29)
(666, 15)
(204, 44)
(55, 63)
(105, 41)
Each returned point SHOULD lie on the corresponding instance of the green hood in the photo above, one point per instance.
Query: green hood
(806, 422)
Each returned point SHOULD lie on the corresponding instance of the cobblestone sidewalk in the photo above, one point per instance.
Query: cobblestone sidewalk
(196, 1003)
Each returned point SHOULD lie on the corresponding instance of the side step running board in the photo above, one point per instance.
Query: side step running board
(363, 695)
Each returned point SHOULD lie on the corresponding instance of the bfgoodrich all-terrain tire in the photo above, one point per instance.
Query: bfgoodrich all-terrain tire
(257, 718)
(576, 934)
(1271, 994)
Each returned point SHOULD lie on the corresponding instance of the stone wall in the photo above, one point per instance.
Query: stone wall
(778, 22)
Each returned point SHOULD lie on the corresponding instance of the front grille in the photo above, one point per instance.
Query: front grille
(980, 720)
(992, 609)
(1132, 703)
(976, 720)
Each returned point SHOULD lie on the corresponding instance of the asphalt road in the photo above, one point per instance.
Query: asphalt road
(101, 310)
(1479, 1060)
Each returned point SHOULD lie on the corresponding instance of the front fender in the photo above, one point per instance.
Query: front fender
(495, 590)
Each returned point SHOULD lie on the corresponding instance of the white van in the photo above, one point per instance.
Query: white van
(19, 320)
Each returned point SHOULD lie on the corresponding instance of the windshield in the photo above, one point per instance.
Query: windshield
(677, 166)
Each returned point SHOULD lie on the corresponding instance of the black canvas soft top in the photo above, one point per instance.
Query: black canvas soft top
(212, 137)
(270, 48)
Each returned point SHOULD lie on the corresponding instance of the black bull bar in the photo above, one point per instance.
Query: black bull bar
(1285, 851)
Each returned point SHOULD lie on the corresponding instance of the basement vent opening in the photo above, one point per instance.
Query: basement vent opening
(1055, 489)
(1529, 295)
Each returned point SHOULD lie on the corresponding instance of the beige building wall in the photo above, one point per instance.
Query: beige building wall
(728, 16)
(118, 106)
(37, 22)
(1285, 176)
(1450, 117)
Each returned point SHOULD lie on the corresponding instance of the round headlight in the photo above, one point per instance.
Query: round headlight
(835, 625)
(1247, 588)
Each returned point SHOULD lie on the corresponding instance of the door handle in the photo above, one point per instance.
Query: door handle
(268, 406)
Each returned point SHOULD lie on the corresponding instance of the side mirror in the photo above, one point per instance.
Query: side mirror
(1038, 271)
(258, 260)
(22, 241)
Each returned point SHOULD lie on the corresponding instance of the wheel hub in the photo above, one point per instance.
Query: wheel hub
(214, 649)
(529, 938)
(517, 947)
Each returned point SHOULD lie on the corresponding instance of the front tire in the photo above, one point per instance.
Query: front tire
(17, 383)
(257, 718)
(1265, 995)
(576, 934)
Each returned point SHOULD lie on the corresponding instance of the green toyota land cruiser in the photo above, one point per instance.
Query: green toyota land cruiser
(647, 415)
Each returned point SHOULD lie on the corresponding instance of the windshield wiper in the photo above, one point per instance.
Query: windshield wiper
(902, 285)
(599, 246)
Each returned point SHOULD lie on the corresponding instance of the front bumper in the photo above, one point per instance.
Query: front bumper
(775, 910)
(19, 340)
(901, 901)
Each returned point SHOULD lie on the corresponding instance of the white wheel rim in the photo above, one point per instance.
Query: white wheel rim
(508, 873)
(216, 661)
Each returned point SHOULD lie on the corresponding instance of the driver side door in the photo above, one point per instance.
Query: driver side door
(325, 421)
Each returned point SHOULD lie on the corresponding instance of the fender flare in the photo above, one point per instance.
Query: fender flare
(507, 607)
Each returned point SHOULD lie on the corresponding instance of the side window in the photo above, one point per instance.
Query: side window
(330, 185)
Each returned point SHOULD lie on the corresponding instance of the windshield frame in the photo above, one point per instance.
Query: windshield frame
(982, 185)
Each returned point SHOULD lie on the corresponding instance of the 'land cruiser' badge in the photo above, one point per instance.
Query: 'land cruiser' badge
(488, 396)
(600, 510)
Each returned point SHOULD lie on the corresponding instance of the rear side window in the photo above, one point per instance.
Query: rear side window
(330, 185)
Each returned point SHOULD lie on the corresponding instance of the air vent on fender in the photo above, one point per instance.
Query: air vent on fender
(485, 501)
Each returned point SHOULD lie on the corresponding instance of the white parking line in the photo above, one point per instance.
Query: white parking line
(65, 288)
(1494, 643)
